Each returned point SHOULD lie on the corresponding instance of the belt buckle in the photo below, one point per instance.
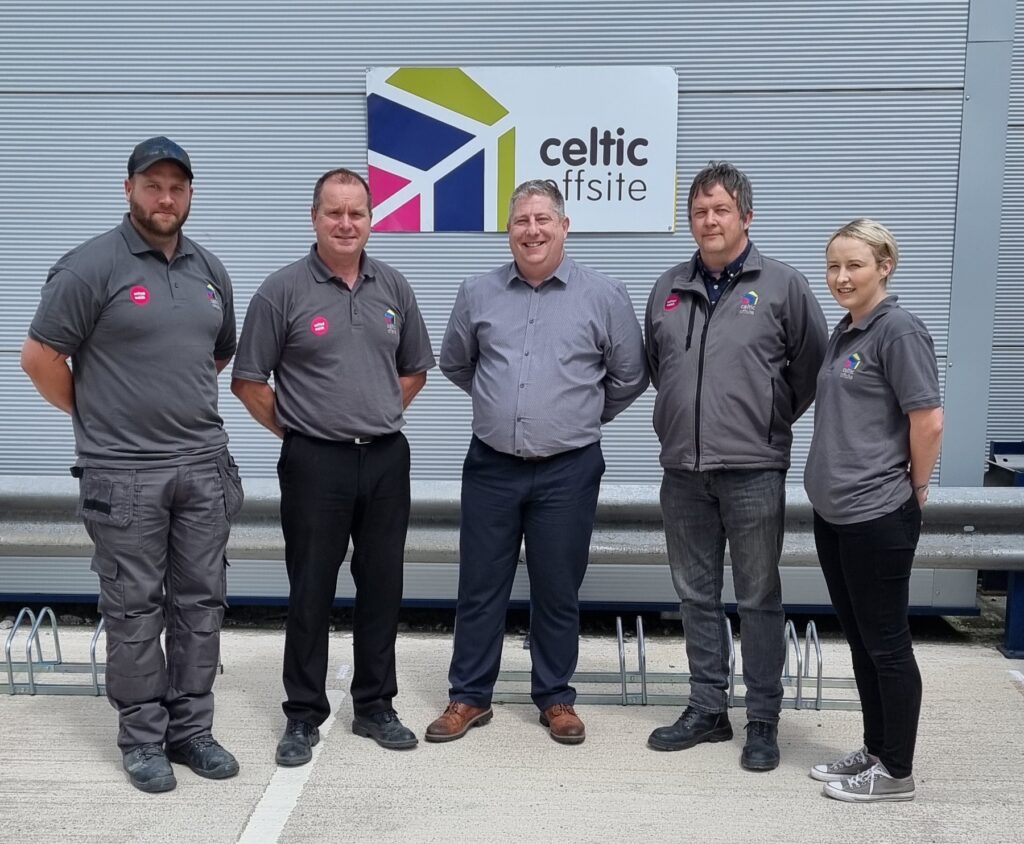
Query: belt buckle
(363, 440)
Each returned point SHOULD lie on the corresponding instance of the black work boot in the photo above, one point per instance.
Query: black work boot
(692, 727)
(297, 743)
(761, 752)
(204, 755)
(385, 729)
(147, 768)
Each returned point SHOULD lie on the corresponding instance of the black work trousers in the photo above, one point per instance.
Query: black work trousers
(867, 569)
(331, 492)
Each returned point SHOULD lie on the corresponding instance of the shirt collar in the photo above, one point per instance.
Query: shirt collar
(887, 304)
(138, 245)
(732, 269)
(322, 273)
(562, 272)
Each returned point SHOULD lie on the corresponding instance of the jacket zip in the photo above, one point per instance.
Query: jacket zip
(771, 414)
(700, 370)
(696, 404)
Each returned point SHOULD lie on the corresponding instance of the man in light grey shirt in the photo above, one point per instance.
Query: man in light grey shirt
(549, 351)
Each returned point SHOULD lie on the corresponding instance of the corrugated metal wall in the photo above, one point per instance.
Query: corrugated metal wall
(833, 113)
(1006, 384)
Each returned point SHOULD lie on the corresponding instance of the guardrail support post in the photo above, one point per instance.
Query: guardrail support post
(1013, 638)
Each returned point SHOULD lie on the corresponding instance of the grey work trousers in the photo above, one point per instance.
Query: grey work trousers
(160, 536)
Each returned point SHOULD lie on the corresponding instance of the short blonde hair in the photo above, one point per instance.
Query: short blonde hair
(881, 241)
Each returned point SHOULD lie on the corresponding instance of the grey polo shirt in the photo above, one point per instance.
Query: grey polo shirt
(875, 372)
(335, 354)
(545, 366)
(143, 334)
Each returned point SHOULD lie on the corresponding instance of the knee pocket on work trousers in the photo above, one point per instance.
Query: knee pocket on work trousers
(195, 652)
(135, 662)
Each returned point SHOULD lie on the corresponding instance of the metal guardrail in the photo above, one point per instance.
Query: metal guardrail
(965, 527)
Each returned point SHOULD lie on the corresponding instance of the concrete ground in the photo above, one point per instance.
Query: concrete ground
(61, 779)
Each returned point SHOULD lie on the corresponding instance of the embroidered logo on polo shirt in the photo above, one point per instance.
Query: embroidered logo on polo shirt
(850, 365)
(139, 295)
(672, 302)
(211, 295)
(748, 304)
(319, 326)
(389, 321)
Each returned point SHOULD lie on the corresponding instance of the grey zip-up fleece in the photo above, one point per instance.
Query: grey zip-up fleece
(731, 386)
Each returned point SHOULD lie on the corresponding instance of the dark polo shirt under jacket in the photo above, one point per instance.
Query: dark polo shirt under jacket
(336, 354)
(143, 334)
(545, 366)
(875, 372)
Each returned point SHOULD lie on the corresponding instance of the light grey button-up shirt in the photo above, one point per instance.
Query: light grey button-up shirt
(545, 366)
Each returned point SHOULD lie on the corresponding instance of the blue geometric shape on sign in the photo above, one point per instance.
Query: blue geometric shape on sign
(408, 136)
(459, 198)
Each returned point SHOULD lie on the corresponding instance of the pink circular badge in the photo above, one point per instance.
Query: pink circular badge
(319, 326)
(139, 295)
(672, 302)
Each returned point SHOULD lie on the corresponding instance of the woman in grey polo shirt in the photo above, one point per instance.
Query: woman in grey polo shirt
(877, 432)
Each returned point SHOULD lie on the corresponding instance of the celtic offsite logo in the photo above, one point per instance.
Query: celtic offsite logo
(441, 152)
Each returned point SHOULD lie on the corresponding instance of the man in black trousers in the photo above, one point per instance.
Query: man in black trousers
(343, 337)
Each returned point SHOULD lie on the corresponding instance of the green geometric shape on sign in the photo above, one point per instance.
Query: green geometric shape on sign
(449, 88)
(506, 174)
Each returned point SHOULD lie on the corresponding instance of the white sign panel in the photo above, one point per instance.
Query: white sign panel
(447, 145)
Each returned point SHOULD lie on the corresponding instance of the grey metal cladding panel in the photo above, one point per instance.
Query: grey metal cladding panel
(815, 159)
(1016, 110)
(324, 47)
(1006, 408)
(1008, 328)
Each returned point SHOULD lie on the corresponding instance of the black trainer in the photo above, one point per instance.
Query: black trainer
(692, 727)
(147, 768)
(385, 729)
(761, 752)
(204, 755)
(297, 743)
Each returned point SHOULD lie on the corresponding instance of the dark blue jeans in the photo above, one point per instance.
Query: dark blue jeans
(552, 504)
(867, 569)
(701, 511)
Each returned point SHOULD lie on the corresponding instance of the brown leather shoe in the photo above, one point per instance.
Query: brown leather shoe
(456, 720)
(563, 724)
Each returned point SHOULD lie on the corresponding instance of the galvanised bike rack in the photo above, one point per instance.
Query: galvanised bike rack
(35, 664)
(634, 687)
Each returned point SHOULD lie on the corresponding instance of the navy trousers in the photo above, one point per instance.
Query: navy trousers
(552, 504)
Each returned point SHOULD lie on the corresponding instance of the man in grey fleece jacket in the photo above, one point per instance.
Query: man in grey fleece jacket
(734, 342)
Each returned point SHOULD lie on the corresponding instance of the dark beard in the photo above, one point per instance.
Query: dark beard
(147, 223)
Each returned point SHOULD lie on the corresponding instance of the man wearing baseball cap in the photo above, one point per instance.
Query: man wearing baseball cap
(147, 318)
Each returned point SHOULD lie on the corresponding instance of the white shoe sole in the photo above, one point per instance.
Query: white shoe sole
(851, 797)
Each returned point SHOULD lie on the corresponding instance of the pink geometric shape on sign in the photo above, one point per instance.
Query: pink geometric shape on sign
(404, 219)
(383, 184)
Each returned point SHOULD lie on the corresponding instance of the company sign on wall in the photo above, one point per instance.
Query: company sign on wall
(446, 145)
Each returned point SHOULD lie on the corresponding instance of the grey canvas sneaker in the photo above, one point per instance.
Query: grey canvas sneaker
(870, 786)
(850, 765)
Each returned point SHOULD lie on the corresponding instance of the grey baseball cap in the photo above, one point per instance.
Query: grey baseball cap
(150, 151)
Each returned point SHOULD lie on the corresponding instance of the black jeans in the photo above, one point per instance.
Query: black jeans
(867, 569)
(329, 493)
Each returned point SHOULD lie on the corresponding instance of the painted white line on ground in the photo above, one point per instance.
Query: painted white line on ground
(271, 814)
